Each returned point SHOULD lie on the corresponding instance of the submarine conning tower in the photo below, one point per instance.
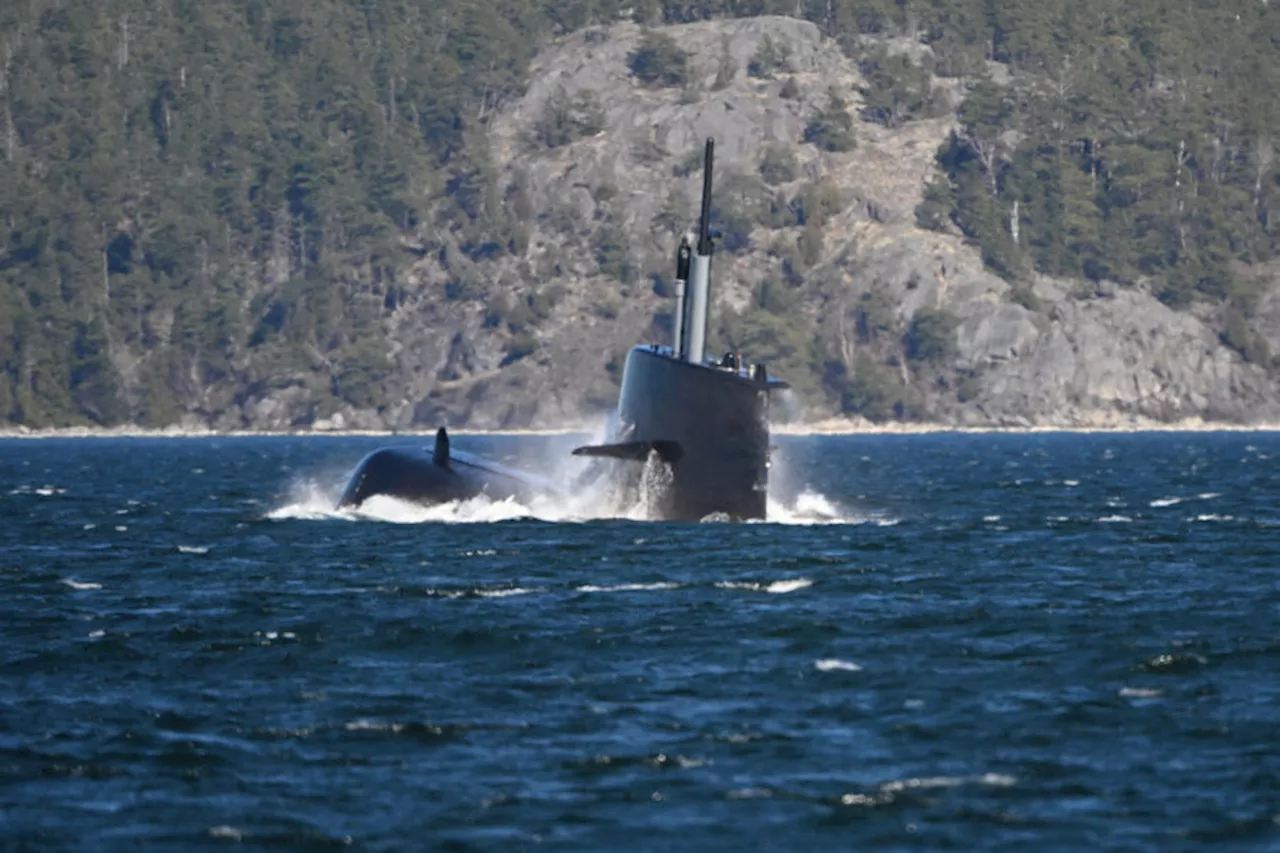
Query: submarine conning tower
(705, 418)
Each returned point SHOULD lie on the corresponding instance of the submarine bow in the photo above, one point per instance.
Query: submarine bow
(438, 475)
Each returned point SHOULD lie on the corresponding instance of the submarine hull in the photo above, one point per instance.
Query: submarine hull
(416, 474)
(716, 420)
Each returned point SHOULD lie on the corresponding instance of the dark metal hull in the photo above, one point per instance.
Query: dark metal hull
(701, 428)
(415, 474)
(717, 417)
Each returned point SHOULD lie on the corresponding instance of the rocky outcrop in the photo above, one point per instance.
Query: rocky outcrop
(590, 213)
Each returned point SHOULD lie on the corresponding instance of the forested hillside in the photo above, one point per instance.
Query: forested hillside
(242, 205)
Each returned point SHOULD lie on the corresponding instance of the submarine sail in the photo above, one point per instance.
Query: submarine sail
(706, 419)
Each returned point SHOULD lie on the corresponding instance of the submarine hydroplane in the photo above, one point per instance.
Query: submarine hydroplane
(704, 419)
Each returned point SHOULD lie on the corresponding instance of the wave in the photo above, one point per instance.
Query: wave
(773, 587)
(81, 585)
(836, 665)
(312, 501)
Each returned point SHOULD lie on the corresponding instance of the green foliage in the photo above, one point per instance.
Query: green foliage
(809, 244)
(897, 90)
(566, 119)
(931, 336)
(613, 252)
(236, 194)
(736, 208)
(1128, 156)
(659, 61)
(778, 165)
(872, 391)
(769, 59)
(817, 203)
(831, 129)
(778, 340)
(938, 205)
(874, 316)
(780, 213)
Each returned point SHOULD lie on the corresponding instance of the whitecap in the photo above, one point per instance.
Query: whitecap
(775, 587)
(997, 780)
(857, 800)
(836, 665)
(1114, 519)
(1208, 496)
(313, 501)
(228, 832)
(814, 508)
(628, 587)
(1163, 502)
(192, 549)
(1213, 516)
(74, 584)
(505, 593)
(1140, 692)
(778, 587)
(1070, 482)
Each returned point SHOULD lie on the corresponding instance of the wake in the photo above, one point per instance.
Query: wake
(312, 501)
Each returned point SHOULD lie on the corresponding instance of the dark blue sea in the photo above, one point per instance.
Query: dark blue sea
(943, 642)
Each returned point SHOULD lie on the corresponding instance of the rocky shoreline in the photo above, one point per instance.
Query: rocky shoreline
(828, 426)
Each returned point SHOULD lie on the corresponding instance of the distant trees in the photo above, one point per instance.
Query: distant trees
(832, 127)
(769, 59)
(897, 90)
(228, 197)
(565, 119)
(778, 165)
(659, 61)
(931, 336)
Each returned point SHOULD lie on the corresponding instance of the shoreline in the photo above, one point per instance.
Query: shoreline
(830, 426)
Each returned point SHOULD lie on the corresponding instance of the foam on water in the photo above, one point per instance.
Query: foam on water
(836, 665)
(82, 585)
(505, 592)
(774, 587)
(628, 587)
(310, 500)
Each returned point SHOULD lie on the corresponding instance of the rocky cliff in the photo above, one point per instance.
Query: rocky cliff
(586, 165)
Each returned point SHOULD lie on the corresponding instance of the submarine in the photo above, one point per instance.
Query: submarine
(439, 475)
(702, 420)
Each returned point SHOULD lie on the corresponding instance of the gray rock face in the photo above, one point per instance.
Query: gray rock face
(1097, 360)
(1064, 360)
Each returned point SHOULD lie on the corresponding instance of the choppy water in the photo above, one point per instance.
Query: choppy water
(961, 642)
